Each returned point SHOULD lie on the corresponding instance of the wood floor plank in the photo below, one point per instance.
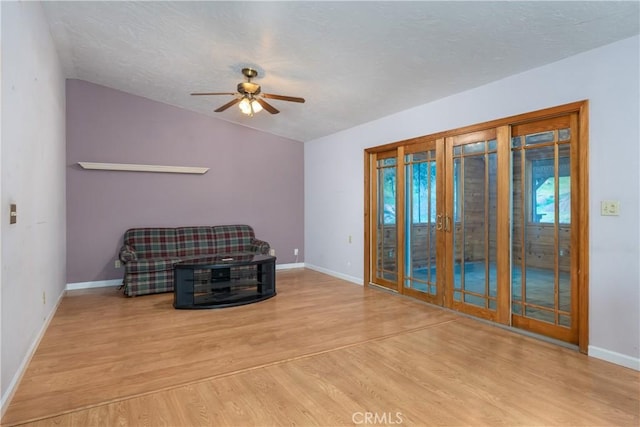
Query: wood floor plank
(324, 352)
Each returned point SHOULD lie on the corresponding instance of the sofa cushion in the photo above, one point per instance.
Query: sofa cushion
(151, 242)
(233, 238)
(194, 241)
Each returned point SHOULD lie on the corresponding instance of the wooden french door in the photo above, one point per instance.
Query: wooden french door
(546, 214)
(384, 204)
(438, 206)
(491, 221)
(406, 194)
(476, 223)
(422, 225)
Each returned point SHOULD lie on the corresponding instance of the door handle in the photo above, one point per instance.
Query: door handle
(439, 222)
(447, 223)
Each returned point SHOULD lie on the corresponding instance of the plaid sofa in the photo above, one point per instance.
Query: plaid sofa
(149, 254)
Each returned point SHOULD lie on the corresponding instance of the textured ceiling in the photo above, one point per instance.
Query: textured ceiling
(353, 61)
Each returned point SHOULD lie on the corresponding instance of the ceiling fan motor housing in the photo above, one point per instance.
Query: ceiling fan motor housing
(248, 88)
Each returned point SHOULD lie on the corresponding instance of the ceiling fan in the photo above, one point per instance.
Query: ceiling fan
(250, 96)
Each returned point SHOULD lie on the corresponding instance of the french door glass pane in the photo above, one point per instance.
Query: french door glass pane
(458, 234)
(563, 251)
(474, 228)
(386, 267)
(517, 236)
(541, 238)
(492, 205)
(420, 211)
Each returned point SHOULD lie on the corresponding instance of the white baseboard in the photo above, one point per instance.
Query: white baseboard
(289, 266)
(96, 284)
(342, 276)
(613, 357)
(118, 282)
(13, 385)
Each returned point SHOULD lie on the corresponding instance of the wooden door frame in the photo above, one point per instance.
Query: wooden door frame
(579, 107)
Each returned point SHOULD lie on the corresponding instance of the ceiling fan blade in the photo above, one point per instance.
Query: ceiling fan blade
(283, 98)
(267, 106)
(214, 93)
(227, 105)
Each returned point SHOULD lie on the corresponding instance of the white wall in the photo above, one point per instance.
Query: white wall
(33, 176)
(608, 78)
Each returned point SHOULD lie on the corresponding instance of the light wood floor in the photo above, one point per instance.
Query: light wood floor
(322, 352)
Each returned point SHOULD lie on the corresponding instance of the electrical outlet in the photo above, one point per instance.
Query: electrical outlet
(610, 208)
(44, 297)
(349, 238)
(272, 252)
(295, 251)
(117, 264)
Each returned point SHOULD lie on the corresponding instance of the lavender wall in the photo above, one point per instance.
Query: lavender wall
(254, 178)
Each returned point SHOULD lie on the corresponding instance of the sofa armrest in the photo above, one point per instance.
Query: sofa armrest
(127, 253)
(260, 246)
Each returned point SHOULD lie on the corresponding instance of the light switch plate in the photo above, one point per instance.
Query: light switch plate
(610, 208)
(13, 213)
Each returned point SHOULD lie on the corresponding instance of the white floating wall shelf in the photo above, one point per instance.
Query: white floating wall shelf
(142, 168)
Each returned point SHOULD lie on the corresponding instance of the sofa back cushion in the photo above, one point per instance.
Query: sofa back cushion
(193, 241)
(151, 242)
(233, 238)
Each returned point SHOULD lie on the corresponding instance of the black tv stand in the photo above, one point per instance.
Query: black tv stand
(224, 281)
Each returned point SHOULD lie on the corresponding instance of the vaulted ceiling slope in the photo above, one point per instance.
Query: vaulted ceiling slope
(353, 61)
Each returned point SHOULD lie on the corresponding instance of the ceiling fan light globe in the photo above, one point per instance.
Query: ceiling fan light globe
(245, 106)
(256, 106)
